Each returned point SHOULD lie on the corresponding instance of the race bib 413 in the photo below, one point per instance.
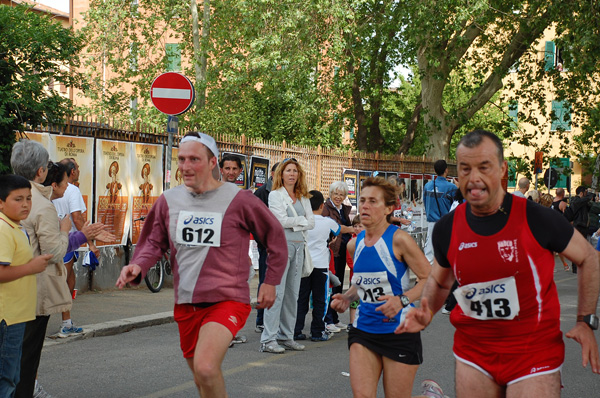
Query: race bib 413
(489, 300)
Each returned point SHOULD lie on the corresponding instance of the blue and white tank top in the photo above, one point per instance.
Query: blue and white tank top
(377, 272)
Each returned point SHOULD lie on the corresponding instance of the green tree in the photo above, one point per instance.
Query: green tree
(35, 53)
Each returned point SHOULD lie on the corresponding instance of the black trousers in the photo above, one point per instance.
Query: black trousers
(340, 272)
(262, 270)
(33, 342)
(316, 283)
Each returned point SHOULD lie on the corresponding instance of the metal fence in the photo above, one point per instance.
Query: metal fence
(323, 166)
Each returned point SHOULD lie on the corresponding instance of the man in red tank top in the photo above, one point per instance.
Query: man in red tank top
(499, 248)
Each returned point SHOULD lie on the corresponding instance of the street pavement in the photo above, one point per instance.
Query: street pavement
(249, 373)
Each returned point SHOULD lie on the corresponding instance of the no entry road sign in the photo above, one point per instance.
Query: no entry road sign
(172, 93)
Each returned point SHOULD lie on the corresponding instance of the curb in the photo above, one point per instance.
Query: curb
(113, 327)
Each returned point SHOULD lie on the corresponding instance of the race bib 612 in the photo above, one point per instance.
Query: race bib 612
(199, 228)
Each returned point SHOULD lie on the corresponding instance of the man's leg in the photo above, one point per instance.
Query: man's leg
(398, 378)
(303, 299)
(547, 386)
(365, 369)
(428, 250)
(472, 383)
(71, 283)
(33, 341)
(320, 284)
(262, 270)
(213, 342)
(11, 341)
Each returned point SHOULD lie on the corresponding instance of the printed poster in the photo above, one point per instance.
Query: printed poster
(175, 178)
(82, 150)
(259, 171)
(362, 175)
(113, 188)
(350, 177)
(146, 167)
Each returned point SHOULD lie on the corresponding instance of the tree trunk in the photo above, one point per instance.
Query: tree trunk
(411, 129)
(200, 53)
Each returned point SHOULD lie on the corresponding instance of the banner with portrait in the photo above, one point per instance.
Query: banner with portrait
(259, 171)
(146, 171)
(242, 180)
(362, 175)
(174, 177)
(350, 177)
(113, 188)
(80, 149)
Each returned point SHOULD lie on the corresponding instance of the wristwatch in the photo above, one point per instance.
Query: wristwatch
(405, 301)
(591, 320)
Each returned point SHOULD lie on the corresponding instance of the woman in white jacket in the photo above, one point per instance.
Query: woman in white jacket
(289, 202)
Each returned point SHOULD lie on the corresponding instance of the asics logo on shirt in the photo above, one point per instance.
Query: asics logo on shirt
(467, 245)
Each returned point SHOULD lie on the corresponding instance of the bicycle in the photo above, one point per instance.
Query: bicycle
(155, 278)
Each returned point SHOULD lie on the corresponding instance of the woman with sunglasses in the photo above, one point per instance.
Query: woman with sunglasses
(289, 203)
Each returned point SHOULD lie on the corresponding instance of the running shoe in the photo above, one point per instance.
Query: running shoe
(445, 311)
(300, 336)
(323, 337)
(430, 388)
(331, 328)
(259, 328)
(292, 345)
(39, 391)
(239, 339)
(69, 331)
(341, 325)
(271, 347)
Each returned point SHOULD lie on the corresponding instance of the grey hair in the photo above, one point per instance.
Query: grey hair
(474, 138)
(338, 186)
(27, 157)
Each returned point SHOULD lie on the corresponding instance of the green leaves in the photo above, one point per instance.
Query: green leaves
(37, 56)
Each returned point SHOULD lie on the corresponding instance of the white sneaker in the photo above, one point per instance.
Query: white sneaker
(341, 325)
(331, 328)
(271, 347)
(430, 388)
(445, 311)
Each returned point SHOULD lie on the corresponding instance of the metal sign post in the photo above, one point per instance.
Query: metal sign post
(173, 94)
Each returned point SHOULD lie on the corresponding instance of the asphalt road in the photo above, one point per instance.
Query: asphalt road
(147, 363)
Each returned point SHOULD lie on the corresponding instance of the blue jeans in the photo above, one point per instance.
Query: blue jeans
(11, 342)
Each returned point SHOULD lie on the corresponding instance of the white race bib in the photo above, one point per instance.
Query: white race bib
(372, 285)
(489, 300)
(199, 228)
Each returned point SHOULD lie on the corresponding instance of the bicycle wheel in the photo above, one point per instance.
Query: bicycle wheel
(155, 278)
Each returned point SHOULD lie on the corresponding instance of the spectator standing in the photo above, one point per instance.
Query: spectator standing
(523, 186)
(289, 202)
(438, 196)
(580, 205)
(17, 278)
(72, 204)
(48, 235)
(317, 283)
(263, 194)
(559, 203)
(340, 213)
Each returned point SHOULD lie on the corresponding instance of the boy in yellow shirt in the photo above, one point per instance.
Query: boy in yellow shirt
(17, 278)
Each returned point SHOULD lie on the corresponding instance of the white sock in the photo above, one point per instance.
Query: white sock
(68, 323)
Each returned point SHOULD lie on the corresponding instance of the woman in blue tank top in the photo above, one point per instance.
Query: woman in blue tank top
(383, 255)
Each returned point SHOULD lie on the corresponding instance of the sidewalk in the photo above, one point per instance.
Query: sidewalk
(110, 312)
